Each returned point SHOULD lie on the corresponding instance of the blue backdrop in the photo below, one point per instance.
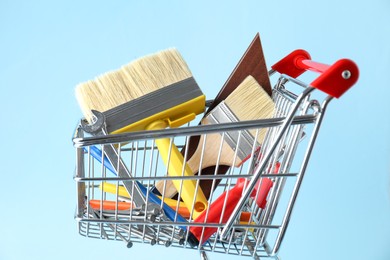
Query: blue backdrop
(47, 47)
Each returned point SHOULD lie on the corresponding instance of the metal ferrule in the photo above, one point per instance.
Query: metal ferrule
(151, 104)
(241, 140)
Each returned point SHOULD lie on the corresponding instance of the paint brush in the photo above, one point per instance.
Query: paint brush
(251, 63)
(248, 101)
(150, 93)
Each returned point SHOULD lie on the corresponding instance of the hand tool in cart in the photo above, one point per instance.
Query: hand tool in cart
(95, 152)
(252, 63)
(220, 210)
(151, 93)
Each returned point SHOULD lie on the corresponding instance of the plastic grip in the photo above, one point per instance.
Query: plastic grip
(260, 194)
(288, 65)
(188, 187)
(97, 154)
(338, 78)
(111, 188)
(110, 205)
(214, 214)
(174, 162)
(334, 80)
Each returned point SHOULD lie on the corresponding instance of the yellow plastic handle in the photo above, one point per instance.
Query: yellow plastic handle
(174, 161)
(111, 188)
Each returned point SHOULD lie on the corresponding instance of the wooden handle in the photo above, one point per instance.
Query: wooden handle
(210, 144)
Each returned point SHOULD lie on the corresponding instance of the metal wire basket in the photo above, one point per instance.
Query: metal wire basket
(116, 174)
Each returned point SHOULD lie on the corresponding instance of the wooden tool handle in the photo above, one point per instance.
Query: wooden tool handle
(208, 151)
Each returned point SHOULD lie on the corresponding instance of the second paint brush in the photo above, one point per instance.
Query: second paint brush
(248, 101)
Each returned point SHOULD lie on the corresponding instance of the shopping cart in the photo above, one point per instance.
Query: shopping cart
(115, 174)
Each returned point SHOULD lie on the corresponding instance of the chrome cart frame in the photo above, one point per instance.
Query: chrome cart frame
(131, 161)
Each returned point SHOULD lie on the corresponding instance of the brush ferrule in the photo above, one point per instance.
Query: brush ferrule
(153, 103)
(240, 140)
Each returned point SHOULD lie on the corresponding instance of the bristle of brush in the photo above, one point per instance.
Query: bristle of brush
(140, 77)
(249, 101)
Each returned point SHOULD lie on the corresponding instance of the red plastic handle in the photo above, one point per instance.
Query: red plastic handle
(110, 205)
(215, 209)
(334, 80)
(261, 193)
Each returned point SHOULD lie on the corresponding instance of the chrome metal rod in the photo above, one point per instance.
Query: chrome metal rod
(80, 173)
(202, 177)
(191, 130)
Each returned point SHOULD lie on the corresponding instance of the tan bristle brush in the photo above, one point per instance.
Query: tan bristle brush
(249, 101)
(153, 92)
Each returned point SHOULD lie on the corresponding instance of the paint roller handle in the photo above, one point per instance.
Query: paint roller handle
(225, 205)
(334, 80)
(174, 162)
(260, 194)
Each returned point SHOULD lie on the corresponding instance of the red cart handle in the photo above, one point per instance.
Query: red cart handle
(334, 80)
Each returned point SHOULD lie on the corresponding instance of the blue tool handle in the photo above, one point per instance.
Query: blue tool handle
(169, 212)
(97, 154)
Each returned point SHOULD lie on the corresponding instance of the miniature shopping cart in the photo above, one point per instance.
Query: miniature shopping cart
(249, 207)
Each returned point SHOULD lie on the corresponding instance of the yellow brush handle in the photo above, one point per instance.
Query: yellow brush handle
(111, 188)
(175, 168)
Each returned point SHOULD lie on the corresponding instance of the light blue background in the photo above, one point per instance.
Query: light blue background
(47, 47)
